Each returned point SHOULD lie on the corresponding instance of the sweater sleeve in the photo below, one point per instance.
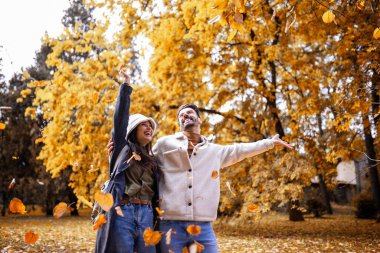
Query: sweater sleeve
(120, 122)
(231, 154)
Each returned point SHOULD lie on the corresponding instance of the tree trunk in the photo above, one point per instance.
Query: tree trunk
(73, 199)
(374, 175)
(325, 194)
(294, 213)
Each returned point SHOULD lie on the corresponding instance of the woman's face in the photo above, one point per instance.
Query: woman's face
(144, 133)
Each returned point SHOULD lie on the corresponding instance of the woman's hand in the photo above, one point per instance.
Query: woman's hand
(124, 75)
(119, 211)
(278, 142)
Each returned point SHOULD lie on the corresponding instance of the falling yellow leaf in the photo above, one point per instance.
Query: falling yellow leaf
(151, 237)
(214, 174)
(19, 100)
(30, 237)
(328, 17)
(38, 140)
(99, 222)
(360, 4)
(376, 33)
(2, 126)
(14, 157)
(253, 208)
(16, 206)
(105, 200)
(193, 229)
(159, 211)
(134, 155)
(59, 210)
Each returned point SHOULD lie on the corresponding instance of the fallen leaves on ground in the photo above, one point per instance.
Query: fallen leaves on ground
(272, 233)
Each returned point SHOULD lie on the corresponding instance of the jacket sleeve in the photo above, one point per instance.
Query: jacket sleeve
(231, 154)
(120, 122)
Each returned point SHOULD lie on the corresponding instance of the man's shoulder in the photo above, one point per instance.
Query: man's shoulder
(166, 138)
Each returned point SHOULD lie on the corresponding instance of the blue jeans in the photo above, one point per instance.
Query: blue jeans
(181, 238)
(128, 231)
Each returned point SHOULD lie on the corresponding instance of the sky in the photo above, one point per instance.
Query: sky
(23, 23)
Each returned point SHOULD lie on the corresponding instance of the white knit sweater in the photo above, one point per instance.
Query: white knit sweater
(187, 189)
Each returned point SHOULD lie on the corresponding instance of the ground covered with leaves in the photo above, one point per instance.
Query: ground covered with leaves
(272, 233)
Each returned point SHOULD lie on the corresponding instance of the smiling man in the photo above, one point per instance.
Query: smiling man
(189, 191)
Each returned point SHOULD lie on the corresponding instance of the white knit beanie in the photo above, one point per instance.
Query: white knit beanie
(135, 120)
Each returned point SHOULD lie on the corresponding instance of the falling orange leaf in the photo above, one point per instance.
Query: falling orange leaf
(16, 206)
(376, 33)
(2, 126)
(134, 155)
(200, 247)
(185, 250)
(151, 237)
(253, 208)
(328, 17)
(99, 222)
(159, 211)
(12, 184)
(30, 237)
(193, 229)
(214, 174)
(59, 210)
(38, 140)
(105, 200)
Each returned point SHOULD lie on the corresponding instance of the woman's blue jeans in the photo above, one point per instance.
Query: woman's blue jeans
(181, 238)
(128, 230)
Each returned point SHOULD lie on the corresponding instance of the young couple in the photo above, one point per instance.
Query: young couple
(178, 174)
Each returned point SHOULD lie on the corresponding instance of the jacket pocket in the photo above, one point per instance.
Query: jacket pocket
(174, 160)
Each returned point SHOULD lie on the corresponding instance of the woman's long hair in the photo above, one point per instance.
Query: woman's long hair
(146, 153)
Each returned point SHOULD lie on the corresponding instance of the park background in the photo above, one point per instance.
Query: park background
(306, 70)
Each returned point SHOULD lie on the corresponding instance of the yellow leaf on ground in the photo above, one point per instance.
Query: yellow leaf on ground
(30, 237)
(151, 237)
(376, 33)
(16, 206)
(193, 229)
(99, 222)
(328, 17)
(59, 210)
(253, 208)
(105, 200)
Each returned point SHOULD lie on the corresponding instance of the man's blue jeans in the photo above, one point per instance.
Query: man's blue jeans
(128, 230)
(181, 238)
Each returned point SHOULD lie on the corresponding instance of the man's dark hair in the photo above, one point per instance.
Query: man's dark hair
(194, 107)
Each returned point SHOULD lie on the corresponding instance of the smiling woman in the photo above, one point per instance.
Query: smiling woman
(26, 21)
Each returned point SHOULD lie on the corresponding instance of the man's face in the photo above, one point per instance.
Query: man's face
(188, 118)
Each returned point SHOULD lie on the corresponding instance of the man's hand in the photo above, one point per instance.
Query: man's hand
(110, 147)
(278, 142)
